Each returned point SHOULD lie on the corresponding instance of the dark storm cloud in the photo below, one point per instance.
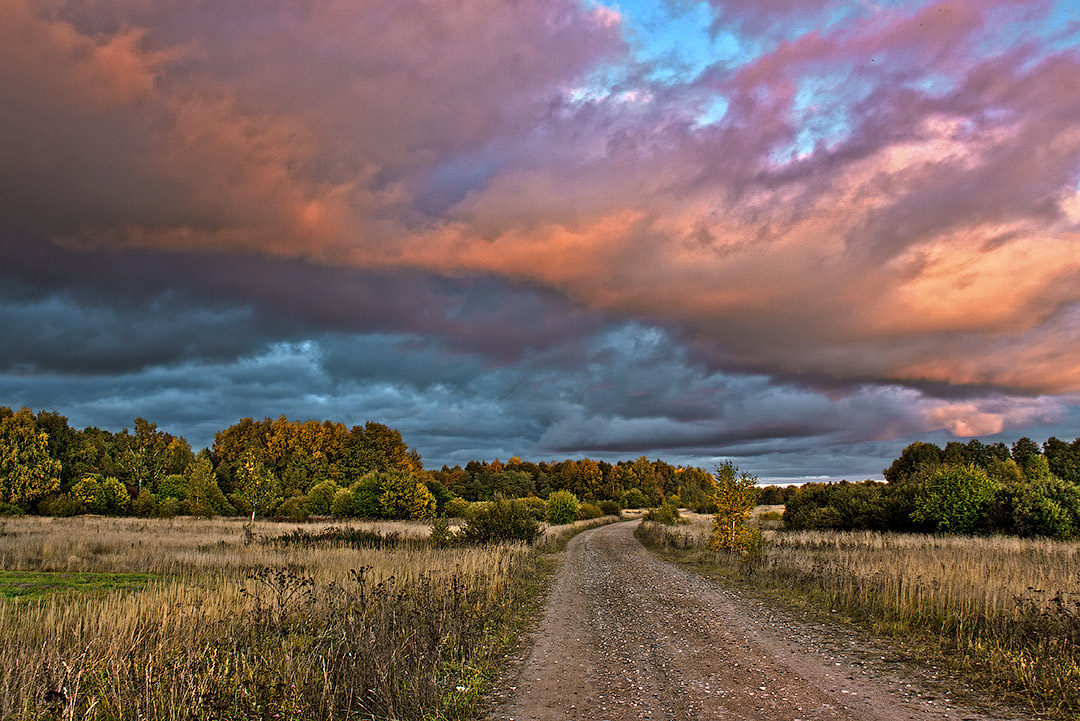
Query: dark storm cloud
(490, 225)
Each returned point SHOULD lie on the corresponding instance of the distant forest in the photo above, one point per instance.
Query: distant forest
(973, 487)
(290, 469)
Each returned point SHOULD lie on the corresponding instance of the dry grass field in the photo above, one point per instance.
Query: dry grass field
(120, 618)
(1005, 610)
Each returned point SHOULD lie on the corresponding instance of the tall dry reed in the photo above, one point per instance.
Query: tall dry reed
(236, 628)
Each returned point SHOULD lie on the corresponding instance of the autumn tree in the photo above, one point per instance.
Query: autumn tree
(27, 470)
(735, 496)
(256, 484)
(403, 496)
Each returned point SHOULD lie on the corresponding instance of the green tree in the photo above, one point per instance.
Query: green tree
(1024, 450)
(27, 470)
(915, 456)
(204, 496)
(735, 496)
(954, 497)
(562, 507)
(320, 498)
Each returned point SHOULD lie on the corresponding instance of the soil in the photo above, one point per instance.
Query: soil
(625, 635)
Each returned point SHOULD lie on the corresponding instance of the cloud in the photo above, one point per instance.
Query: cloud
(497, 209)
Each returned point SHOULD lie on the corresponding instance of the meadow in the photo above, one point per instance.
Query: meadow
(1003, 611)
(121, 618)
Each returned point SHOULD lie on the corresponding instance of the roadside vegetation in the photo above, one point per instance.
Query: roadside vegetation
(120, 618)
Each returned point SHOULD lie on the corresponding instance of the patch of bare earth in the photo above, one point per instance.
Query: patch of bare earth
(628, 636)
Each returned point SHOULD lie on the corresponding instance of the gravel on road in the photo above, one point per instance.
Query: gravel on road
(626, 635)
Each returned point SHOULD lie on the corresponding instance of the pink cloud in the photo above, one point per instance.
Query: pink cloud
(935, 240)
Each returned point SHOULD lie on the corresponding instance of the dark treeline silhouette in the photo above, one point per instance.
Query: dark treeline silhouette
(283, 468)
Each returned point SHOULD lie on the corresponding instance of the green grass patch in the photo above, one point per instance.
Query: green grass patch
(35, 585)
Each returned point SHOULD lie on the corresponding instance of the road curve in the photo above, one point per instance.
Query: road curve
(625, 635)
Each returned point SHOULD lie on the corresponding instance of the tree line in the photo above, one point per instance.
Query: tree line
(973, 487)
(294, 469)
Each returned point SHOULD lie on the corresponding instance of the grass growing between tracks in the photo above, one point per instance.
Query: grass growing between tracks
(1003, 612)
(201, 619)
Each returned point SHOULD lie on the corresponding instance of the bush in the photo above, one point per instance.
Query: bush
(562, 507)
(501, 520)
(610, 508)
(320, 498)
(537, 506)
(117, 498)
(61, 506)
(1047, 506)
(295, 508)
(169, 508)
(634, 498)
(668, 514)
(174, 486)
(145, 504)
(10, 509)
(456, 508)
(588, 511)
(953, 498)
(342, 505)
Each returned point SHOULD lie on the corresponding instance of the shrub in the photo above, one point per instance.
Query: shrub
(537, 506)
(562, 507)
(953, 497)
(825, 518)
(117, 498)
(342, 505)
(10, 509)
(1047, 506)
(588, 511)
(634, 498)
(145, 504)
(668, 514)
(295, 508)
(320, 498)
(62, 505)
(441, 536)
(501, 520)
(456, 508)
(169, 508)
(403, 496)
(610, 508)
(89, 495)
(441, 494)
(174, 486)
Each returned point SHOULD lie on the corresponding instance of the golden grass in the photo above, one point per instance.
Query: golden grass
(244, 629)
(1006, 610)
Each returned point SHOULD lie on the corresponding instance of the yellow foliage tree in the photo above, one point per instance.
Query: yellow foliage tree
(735, 496)
(27, 471)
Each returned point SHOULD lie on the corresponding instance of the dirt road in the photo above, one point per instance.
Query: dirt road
(628, 636)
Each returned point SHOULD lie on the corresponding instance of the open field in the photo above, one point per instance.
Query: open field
(1005, 611)
(187, 618)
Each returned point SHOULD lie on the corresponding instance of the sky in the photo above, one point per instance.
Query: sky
(797, 234)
